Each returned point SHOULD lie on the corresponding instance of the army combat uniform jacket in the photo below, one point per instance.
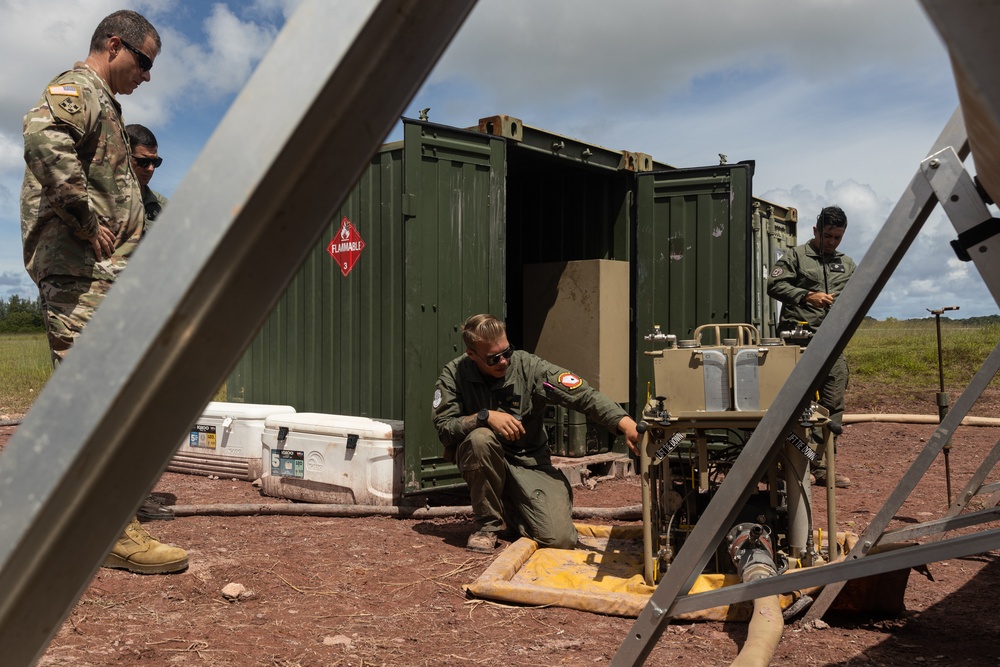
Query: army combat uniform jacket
(800, 271)
(530, 384)
(78, 175)
(154, 203)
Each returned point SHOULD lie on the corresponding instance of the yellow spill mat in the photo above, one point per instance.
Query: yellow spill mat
(603, 574)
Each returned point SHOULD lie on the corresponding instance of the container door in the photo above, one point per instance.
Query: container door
(692, 255)
(454, 194)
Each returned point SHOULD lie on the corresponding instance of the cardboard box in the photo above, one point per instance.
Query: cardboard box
(576, 315)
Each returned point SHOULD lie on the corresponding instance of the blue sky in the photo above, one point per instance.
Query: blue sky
(836, 100)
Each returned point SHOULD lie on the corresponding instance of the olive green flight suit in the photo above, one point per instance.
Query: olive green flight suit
(799, 271)
(514, 483)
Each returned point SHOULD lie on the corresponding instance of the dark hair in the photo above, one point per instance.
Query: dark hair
(139, 135)
(482, 327)
(127, 25)
(831, 216)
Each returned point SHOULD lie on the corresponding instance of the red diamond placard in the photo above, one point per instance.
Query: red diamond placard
(346, 247)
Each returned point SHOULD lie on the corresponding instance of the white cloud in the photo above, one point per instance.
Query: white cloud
(837, 101)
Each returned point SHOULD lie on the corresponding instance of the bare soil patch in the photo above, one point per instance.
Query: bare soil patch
(382, 591)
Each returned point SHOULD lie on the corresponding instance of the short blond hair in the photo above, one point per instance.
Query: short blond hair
(482, 327)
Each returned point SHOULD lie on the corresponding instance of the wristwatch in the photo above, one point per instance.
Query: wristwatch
(483, 417)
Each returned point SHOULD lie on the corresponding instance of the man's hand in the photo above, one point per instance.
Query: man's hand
(505, 425)
(103, 243)
(627, 426)
(818, 300)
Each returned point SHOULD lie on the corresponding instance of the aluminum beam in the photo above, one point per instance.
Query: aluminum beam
(889, 561)
(938, 527)
(914, 474)
(880, 261)
(256, 199)
(969, 29)
(975, 487)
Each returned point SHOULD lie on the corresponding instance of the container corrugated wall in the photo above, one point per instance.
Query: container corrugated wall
(334, 343)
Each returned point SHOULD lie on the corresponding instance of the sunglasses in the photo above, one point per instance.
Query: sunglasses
(494, 359)
(145, 162)
(145, 64)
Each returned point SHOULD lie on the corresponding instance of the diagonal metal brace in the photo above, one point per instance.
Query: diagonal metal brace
(255, 201)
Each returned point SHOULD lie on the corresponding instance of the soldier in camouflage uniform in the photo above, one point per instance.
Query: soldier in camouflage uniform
(806, 280)
(81, 209)
(488, 410)
(146, 159)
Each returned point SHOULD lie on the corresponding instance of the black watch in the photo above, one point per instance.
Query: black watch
(483, 417)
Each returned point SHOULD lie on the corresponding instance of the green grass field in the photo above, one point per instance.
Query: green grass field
(25, 367)
(899, 354)
(903, 354)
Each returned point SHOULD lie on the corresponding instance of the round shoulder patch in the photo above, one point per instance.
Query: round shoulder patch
(569, 380)
(437, 398)
(777, 272)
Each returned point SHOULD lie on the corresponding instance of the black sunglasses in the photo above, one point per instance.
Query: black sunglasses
(494, 359)
(145, 64)
(144, 162)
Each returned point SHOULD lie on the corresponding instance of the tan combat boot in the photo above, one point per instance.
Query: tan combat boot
(137, 551)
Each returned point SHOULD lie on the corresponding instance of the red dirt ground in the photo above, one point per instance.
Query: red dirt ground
(382, 591)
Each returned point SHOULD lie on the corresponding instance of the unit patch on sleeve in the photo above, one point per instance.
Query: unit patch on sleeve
(437, 398)
(776, 272)
(569, 380)
(71, 106)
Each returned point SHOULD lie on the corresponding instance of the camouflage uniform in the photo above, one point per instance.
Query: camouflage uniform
(78, 175)
(801, 270)
(154, 204)
(515, 480)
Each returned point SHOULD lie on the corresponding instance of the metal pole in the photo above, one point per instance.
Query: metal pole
(282, 160)
(942, 396)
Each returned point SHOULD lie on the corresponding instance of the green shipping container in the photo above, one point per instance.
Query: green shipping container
(441, 226)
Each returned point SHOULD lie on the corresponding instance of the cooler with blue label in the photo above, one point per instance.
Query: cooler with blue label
(225, 441)
(337, 459)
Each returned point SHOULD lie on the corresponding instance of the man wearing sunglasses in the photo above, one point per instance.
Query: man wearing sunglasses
(145, 160)
(82, 213)
(488, 409)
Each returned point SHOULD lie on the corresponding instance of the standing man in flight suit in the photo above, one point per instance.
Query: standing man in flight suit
(807, 280)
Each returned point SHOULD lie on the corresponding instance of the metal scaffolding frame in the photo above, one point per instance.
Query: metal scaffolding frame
(280, 163)
(970, 31)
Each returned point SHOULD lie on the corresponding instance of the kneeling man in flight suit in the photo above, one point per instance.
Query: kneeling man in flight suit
(488, 410)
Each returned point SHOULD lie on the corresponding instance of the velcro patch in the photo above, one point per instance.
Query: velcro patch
(569, 380)
(64, 89)
(71, 106)
(777, 272)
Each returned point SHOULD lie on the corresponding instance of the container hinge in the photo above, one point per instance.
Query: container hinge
(409, 205)
(352, 441)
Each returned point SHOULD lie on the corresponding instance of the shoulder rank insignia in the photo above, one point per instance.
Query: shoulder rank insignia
(71, 106)
(64, 89)
(569, 380)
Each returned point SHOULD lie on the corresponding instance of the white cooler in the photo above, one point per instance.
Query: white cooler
(339, 459)
(226, 441)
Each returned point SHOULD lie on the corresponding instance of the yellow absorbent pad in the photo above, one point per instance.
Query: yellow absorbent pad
(603, 574)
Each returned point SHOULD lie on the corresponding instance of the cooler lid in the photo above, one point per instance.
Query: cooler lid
(220, 410)
(337, 425)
